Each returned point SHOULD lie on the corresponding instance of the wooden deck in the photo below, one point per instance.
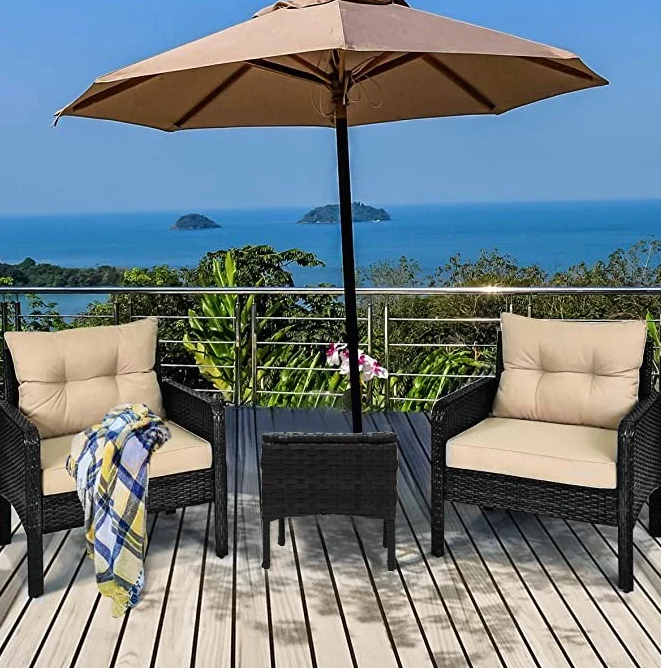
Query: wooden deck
(513, 590)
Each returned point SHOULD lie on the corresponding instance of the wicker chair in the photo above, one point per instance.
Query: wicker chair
(635, 470)
(41, 511)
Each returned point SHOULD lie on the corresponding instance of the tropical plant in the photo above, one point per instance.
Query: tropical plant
(655, 336)
(221, 341)
(438, 372)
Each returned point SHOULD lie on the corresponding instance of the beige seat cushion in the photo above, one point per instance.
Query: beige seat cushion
(564, 453)
(183, 452)
(569, 372)
(69, 380)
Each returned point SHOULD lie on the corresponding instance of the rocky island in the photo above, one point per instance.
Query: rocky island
(362, 213)
(195, 221)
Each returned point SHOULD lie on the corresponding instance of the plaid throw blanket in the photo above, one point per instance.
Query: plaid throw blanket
(110, 462)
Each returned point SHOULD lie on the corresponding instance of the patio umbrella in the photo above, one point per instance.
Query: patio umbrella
(335, 63)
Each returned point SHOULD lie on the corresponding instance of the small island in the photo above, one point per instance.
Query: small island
(195, 221)
(362, 213)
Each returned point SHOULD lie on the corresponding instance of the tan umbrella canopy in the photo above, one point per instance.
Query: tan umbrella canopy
(283, 67)
(335, 63)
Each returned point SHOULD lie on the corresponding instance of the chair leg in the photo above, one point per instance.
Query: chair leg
(35, 564)
(437, 527)
(655, 513)
(281, 532)
(390, 531)
(625, 555)
(266, 544)
(385, 533)
(220, 521)
(5, 521)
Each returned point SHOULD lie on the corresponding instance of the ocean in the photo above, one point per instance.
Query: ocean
(551, 234)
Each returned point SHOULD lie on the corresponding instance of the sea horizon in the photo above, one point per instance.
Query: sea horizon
(8, 215)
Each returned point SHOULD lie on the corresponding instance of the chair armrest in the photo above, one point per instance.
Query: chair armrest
(462, 409)
(20, 472)
(202, 415)
(639, 449)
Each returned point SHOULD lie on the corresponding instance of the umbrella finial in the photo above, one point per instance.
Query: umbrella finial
(301, 4)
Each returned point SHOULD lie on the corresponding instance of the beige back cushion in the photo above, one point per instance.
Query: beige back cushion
(69, 380)
(569, 372)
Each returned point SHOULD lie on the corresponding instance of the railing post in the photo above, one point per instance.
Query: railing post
(130, 309)
(115, 311)
(237, 351)
(17, 315)
(253, 351)
(370, 351)
(5, 316)
(386, 353)
(530, 306)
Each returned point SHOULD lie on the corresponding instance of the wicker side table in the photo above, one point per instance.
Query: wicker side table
(329, 474)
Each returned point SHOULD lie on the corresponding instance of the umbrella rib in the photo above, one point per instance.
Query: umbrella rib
(369, 64)
(110, 92)
(558, 67)
(459, 81)
(277, 68)
(387, 66)
(311, 68)
(208, 99)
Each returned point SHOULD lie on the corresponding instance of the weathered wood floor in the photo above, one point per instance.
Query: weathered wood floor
(513, 590)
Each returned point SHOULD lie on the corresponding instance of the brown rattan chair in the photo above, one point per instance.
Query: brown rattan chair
(41, 511)
(635, 470)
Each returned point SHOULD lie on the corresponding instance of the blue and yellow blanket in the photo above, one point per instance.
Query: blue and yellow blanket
(110, 462)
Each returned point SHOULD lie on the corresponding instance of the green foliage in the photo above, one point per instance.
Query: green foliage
(202, 327)
(441, 371)
(288, 371)
(30, 273)
(653, 333)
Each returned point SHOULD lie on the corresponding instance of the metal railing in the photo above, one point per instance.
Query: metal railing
(382, 331)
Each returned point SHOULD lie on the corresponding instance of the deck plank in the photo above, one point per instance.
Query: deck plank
(331, 641)
(581, 648)
(614, 651)
(60, 646)
(309, 614)
(29, 618)
(406, 632)
(532, 623)
(215, 621)
(595, 622)
(371, 635)
(175, 646)
(252, 631)
(646, 557)
(99, 642)
(510, 642)
(452, 597)
(138, 629)
(609, 598)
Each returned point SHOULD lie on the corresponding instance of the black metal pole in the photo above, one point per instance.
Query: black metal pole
(348, 260)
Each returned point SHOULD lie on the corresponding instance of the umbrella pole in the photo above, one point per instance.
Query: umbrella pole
(348, 261)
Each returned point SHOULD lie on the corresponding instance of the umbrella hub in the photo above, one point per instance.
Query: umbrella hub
(300, 4)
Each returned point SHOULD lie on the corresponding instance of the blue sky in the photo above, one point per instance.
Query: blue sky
(597, 144)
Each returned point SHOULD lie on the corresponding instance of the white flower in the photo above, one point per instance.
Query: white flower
(369, 368)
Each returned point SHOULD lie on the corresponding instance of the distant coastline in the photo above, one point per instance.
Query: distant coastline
(30, 273)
